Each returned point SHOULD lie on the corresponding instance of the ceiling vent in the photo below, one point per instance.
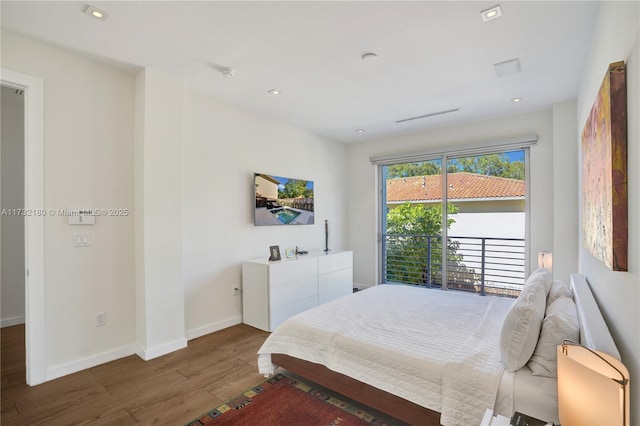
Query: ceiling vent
(512, 66)
(428, 115)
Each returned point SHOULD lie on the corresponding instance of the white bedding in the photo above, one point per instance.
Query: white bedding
(437, 349)
(521, 391)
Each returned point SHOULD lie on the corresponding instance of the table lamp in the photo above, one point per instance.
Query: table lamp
(593, 387)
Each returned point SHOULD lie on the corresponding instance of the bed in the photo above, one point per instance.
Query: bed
(438, 357)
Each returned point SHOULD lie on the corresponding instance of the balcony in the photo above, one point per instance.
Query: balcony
(482, 265)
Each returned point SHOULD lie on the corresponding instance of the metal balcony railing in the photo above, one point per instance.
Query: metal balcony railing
(482, 265)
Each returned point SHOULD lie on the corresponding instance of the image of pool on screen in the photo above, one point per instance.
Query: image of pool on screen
(282, 201)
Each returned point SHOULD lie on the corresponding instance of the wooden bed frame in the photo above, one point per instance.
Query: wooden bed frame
(593, 334)
(368, 395)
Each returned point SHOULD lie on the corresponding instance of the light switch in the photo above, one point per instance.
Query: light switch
(81, 217)
(81, 240)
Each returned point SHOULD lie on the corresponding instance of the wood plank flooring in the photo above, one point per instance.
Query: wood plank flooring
(170, 390)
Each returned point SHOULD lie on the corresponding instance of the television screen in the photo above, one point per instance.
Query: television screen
(283, 201)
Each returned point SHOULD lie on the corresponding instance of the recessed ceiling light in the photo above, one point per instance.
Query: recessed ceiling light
(493, 13)
(273, 92)
(516, 100)
(96, 13)
(360, 131)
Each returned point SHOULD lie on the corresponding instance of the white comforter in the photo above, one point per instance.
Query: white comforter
(437, 349)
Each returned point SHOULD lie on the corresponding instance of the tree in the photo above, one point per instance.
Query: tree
(490, 165)
(414, 248)
(422, 168)
(295, 188)
(414, 243)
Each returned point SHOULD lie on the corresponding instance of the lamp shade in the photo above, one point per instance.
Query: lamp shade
(545, 260)
(593, 387)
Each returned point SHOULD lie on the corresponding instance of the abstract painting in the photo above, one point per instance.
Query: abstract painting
(604, 172)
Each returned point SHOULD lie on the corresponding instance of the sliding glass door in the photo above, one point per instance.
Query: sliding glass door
(476, 204)
(412, 222)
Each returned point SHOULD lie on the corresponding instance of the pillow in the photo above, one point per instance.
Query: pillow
(521, 326)
(560, 322)
(558, 289)
(540, 275)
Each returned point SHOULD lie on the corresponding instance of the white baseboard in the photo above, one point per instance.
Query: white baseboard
(212, 328)
(92, 361)
(151, 353)
(145, 354)
(8, 322)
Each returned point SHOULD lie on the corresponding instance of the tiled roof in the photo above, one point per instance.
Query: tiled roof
(461, 186)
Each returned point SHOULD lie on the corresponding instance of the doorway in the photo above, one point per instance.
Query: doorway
(12, 282)
(32, 90)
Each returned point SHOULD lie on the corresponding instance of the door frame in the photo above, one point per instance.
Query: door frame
(35, 319)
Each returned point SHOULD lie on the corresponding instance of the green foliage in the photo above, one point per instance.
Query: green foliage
(418, 219)
(422, 168)
(295, 188)
(414, 247)
(490, 164)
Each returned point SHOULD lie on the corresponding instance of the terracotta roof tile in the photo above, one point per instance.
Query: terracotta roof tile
(461, 186)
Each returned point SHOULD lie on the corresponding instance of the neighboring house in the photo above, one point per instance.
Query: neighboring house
(488, 206)
(266, 189)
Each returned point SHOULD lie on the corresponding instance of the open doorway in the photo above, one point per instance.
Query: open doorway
(12, 235)
(12, 207)
(32, 90)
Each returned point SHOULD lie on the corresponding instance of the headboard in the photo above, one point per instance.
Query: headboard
(594, 332)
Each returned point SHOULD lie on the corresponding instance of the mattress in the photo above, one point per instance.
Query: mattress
(437, 349)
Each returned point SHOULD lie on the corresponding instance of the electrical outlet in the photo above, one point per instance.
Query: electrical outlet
(101, 319)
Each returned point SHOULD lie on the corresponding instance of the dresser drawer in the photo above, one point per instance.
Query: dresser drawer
(335, 262)
(291, 292)
(279, 315)
(288, 271)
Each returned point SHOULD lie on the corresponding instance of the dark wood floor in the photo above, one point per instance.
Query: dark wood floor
(170, 390)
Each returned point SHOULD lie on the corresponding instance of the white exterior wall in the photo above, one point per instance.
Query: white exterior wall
(498, 225)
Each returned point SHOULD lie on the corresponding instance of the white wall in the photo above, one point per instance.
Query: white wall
(158, 214)
(88, 163)
(13, 265)
(565, 195)
(362, 204)
(223, 147)
(616, 37)
(90, 137)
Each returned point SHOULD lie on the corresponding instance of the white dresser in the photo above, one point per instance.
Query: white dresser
(274, 291)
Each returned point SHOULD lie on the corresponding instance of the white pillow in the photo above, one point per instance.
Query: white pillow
(560, 323)
(521, 326)
(540, 275)
(558, 289)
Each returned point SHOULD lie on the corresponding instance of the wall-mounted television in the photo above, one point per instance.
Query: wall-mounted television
(282, 201)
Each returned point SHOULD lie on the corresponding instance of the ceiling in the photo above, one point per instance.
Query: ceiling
(432, 56)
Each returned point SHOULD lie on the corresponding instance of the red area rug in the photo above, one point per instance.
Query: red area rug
(284, 401)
